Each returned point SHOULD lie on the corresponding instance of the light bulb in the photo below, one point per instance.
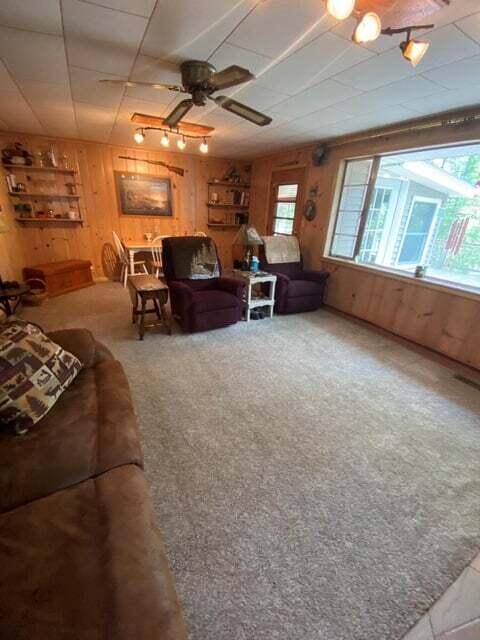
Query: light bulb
(204, 146)
(139, 137)
(414, 50)
(165, 141)
(181, 144)
(368, 29)
(340, 9)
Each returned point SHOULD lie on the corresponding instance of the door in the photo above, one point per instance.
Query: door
(418, 232)
(286, 201)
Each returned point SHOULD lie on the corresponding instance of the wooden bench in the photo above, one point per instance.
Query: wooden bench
(61, 277)
(145, 288)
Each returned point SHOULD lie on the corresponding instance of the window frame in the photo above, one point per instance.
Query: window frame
(431, 230)
(277, 200)
(395, 271)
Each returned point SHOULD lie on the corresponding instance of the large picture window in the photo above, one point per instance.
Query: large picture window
(420, 208)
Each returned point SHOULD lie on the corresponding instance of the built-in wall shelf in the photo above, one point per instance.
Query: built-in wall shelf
(48, 196)
(216, 205)
(50, 221)
(222, 183)
(222, 196)
(25, 167)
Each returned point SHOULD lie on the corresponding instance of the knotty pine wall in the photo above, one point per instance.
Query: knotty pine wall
(96, 162)
(443, 319)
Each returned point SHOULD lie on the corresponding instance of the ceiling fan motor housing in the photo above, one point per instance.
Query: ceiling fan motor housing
(196, 76)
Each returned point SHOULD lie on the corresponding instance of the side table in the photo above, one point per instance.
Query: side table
(252, 301)
(144, 288)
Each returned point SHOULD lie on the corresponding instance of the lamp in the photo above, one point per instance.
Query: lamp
(414, 50)
(368, 28)
(181, 144)
(164, 140)
(204, 146)
(139, 136)
(247, 237)
(340, 9)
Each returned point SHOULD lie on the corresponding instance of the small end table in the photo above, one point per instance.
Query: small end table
(144, 288)
(251, 301)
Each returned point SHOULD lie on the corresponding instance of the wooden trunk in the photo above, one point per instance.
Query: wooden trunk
(62, 277)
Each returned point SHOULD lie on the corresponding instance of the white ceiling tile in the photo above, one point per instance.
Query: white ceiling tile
(457, 75)
(227, 55)
(377, 71)
(321, 95)
(7, 83)
(26, 15)
(52, 105)
(86, 87)
(320, 120)
(138, 7)
(101, 39)
(94, 122)
(277, 27)
(34, 56)
(147, 69)
(471, 26)
(17, 114)
(322, 58)
(259, 97)
(447, 45)
(181, 29)
(454, 11)
(129, 106)
(447, 100)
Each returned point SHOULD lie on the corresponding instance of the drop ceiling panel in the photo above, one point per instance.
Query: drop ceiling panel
(138, 7)
(34, 56)
(181, 29)
(449, 99)
(454, 11)
(321, 119)
(101, 39)
(447, 44)
(458, 75)
(227, 55)
(87, 88)
(259, 97)
(322, 95)
(277, 27)
(324, 57)
(25, 14)
(471, 26)
(17, 114)
(94, 122)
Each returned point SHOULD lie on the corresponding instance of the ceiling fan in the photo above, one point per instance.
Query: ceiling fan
(201, 80)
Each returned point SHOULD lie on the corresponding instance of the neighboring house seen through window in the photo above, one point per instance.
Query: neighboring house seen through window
(420, 208)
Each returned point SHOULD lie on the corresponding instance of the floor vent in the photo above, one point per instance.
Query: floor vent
(472, 383)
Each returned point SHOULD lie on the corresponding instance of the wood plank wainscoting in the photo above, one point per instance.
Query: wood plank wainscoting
(96, 163)
(438, 317)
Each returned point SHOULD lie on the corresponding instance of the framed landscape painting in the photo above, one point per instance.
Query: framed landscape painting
(141, 194)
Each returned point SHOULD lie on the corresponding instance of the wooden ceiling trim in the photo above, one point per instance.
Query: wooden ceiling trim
(188, 128)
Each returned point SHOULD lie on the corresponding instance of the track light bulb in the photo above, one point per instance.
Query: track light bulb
(340, 9)
(368, 28)
(204, 146)
(139, 137)
(414, 50)
(181, 144)
(165, 141)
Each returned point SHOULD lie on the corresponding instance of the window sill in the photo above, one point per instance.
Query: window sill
(425, 282)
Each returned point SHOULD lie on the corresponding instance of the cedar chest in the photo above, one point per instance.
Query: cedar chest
(62, 277)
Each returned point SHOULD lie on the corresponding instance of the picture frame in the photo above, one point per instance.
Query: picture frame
(142, 194)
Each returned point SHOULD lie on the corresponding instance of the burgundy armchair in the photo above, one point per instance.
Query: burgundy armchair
(201, 305)
(297, 289)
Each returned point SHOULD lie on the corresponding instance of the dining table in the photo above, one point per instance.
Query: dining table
(137, 246)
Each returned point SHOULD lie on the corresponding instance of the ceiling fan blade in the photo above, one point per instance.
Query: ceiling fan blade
(177, 114)
(243, 111)
(153, 85)
(230, 77)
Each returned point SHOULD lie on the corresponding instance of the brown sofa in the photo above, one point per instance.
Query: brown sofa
(80, 553)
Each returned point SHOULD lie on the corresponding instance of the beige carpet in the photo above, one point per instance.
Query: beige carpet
(312, 479)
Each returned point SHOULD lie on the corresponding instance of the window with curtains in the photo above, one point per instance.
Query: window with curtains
(419, 208)
(284, 209)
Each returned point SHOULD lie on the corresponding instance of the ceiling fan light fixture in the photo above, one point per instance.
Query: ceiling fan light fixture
(414, 50)
(165, 140)
(368, 29)
(340, 9)
(139, 136)
(204, 146)
(181, 144)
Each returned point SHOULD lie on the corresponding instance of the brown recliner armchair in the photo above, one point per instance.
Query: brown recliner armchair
(200, 304)
(297, 289)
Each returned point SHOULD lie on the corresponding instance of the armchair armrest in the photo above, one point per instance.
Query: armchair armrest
(235, 286)
(180, 296)
(315, 276)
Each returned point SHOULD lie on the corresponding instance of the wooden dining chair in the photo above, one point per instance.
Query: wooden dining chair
(125, 262)
(156, 260)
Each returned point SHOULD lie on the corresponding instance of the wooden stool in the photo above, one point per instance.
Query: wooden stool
(143, 288)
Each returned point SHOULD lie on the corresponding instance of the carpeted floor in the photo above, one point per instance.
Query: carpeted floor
(312, 479)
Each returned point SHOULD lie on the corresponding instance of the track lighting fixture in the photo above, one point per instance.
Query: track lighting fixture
(204, 146)
(181, 144)
(340, 9)
(412, 50)
(139, 136)
(165, 141)
(368, 28)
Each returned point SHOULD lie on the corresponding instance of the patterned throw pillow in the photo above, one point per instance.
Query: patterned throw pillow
(34, 372)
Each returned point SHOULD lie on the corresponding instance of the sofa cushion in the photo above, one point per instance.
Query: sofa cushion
(34, 372)
(91, 429)
(299, 288)
(87, 562)
(213, 300)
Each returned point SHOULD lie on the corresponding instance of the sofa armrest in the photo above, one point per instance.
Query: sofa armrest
(235, 286)
(315, 276)
(79, 342)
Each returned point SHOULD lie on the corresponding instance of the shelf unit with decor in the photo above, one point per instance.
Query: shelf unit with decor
(228, 204)
(49, 190)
